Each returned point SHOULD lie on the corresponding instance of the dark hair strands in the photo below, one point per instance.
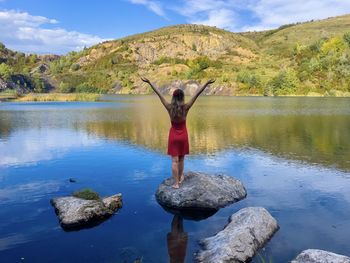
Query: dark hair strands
(177, 104)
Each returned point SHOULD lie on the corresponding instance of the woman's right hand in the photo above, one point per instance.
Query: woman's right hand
(211, 81)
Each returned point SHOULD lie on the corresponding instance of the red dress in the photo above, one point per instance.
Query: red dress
(178, 139)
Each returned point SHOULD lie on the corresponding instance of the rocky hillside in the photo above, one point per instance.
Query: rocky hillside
(302, 58)
(24, 73)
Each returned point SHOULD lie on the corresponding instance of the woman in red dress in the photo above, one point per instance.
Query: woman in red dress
(178, 138)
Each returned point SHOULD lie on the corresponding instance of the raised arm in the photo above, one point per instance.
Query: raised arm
(195, 96)
(161, 97)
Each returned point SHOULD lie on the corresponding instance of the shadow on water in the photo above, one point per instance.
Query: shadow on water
(191, 214)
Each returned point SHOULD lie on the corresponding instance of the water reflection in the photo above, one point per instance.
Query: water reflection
(309, 130)
(34, 145)
(313, 130)
(177, 241)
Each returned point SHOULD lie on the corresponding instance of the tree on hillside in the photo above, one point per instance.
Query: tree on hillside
(5, 71)
(346, 38)
(285, 82)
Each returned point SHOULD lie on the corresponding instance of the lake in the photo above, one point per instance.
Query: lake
(292, 155)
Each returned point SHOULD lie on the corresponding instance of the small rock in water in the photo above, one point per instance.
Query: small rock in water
(72, 180)
(200, 191)
(76, 213)
(247, 231)
(320, 256)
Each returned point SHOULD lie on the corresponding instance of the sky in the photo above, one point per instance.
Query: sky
(61, 26)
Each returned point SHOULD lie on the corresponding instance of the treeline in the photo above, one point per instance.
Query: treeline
(17, 68)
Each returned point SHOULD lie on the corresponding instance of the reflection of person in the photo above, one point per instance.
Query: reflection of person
(178, 137)
(177, 241)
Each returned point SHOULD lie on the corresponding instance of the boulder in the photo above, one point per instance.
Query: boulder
(76, 213)
(200, 191)
(320, 256)
(247, 231)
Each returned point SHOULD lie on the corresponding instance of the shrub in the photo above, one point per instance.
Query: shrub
(346, 38)
(87, 194)
(333, 45)
(87, 87)
(316, 47)
(250, 79)
(201, 63)
(5, 71)
(284, 83)
(65, 88)
(197, 65)
(39, 85)
(194, 47)
(170, 60)
(75, 67)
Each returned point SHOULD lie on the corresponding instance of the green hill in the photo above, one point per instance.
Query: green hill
(298, 59)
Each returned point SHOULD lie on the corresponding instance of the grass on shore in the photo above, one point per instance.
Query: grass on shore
(8, 94)
(60, 97)
(87, 194)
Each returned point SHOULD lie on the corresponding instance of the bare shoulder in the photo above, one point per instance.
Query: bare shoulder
(167, 105)
(187, 106)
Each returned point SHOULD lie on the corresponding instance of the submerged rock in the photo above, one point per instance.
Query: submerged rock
(76, 213)
(320, 256)
(200, 191)
(247, 231)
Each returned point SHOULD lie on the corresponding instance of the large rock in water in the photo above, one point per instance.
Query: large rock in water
(320, 256)
(76, 213)
(200, 191)
(247, 231)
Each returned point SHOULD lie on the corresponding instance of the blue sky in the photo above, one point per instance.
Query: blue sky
(60, 26)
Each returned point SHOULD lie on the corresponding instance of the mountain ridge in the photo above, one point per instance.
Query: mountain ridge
(266, 62)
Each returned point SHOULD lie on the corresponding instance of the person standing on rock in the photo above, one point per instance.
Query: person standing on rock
(178, 145)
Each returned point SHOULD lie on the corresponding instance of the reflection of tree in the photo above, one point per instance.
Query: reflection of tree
(177, 241)
(5, 126)
(312, 138)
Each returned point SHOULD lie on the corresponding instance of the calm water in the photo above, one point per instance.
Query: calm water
(292, 154)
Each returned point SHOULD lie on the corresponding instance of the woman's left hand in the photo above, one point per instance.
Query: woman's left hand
(145, 80)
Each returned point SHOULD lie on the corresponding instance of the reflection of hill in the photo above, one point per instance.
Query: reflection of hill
(219, 124)
(306, 129)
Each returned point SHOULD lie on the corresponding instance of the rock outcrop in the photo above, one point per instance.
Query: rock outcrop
(320, 256)
(76, 213)
(247, 231)
(200, 191)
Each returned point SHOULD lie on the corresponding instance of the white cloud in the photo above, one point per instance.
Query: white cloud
(274, 13)
(24, 32)
(222, 18)
(154, 6)
(221, 14)
(236, 15)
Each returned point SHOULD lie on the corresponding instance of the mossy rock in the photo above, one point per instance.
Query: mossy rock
(87, 194)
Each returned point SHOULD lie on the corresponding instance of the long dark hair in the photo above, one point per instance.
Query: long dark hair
(177, 104)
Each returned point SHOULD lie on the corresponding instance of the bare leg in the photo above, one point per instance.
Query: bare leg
(175, 170)
(181, 168)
